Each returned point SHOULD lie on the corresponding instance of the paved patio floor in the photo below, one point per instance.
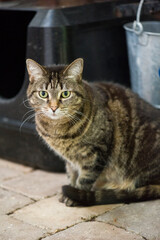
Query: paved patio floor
(30, 210)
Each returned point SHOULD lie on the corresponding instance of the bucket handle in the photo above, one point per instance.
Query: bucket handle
(137, 25)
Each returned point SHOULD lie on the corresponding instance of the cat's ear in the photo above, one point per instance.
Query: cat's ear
(35, 70)
(75, 69)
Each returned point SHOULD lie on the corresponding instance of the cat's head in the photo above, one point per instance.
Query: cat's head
(56, 92)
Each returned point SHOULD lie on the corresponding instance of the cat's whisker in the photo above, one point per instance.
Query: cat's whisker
(25, 100)
(73, 120)
(82, 114)
(32, 110)
(27, 119)
(71, 117)
(24, 103)
(29, 107)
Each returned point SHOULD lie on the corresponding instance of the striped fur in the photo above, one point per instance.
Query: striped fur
(110, 196)
(108, 136)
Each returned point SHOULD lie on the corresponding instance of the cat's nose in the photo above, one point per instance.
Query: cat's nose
(54, 108)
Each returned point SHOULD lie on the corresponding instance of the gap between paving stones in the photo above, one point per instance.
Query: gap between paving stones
(91, 219)
(110, 210)
(95, 220)
(14, 177)
(12, 212)
(47, 233)
(25, 195)
(30, 184)
(63, 229)
(34, 201)
(13, 170)
(122, 227)
(15, 229)
(49, 230)
(53, 234)
(50, 233)
(10, 190)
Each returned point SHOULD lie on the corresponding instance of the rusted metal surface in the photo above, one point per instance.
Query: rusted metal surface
(130, 9)
(108, 9)
(122, 8)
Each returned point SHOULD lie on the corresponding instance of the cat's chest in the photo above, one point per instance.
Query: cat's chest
(68, 149)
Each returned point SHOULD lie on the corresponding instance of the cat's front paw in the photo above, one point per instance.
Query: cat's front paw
(84, 184)
(68, 202)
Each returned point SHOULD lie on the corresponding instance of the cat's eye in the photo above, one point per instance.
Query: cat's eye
(43, 94)
(65, 94)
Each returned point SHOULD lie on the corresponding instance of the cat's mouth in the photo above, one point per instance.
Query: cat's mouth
(51, 114)
(54, 115)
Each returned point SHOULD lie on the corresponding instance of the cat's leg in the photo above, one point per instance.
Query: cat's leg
(72, 176)
(86, 180)
(71, 173)
(88, 173)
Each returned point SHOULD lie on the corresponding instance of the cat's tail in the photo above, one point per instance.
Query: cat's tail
(110, 196)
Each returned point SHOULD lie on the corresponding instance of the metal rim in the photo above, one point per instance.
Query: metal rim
(129, 27)
(137, 27)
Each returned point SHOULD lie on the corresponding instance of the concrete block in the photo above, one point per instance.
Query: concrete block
(37, 184)
(142, 218)
(94, 231)
(53, 215)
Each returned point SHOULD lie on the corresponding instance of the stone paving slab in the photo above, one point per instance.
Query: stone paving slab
(10, 201)
(37, 185)
(94, 231)
(29, 220)
(8, 173)
(12, 229)
(9, 170)
(17, 166)
(142, 218)
(53, 215)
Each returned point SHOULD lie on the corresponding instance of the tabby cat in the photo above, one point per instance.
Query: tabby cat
(108, 136)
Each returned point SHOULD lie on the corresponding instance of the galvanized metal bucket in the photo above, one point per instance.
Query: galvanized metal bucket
(143, 41)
